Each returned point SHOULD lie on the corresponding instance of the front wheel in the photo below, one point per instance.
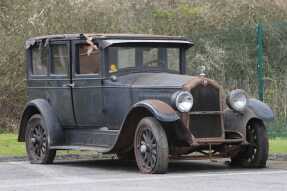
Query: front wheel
(151, 147)
(254, 155)
(36, 139)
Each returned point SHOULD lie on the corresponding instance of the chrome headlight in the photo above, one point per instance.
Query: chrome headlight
(237, 100)
(183, 101)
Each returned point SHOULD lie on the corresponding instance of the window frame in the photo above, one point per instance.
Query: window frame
(75, 62)
(117, 58)
(163, 65)
(67, 44)
(30, 68)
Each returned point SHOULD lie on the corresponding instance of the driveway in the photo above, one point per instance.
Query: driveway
(102, 175)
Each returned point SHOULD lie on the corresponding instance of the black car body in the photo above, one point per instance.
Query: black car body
(130, 95)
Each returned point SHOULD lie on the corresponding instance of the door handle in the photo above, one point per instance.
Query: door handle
(69, 85)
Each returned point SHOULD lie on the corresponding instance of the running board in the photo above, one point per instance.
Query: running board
(81, 148)
(91, 138)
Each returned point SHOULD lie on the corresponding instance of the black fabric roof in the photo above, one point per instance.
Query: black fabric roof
(120, 38)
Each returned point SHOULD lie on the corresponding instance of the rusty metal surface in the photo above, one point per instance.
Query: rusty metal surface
(185, 117)
(161, 106)
(205, 126)
(205, 112)
(160, 110)
(214, 141)
(198, 157)
(200, 80)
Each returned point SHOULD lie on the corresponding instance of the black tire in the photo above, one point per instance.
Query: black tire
(254, 155)
(36, 138)
(129, 155)
(151, 147)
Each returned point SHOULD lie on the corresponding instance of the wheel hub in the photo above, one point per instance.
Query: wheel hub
(33, 140)
(143, 148)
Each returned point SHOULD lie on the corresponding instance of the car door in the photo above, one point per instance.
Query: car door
(58, 82)
(87, 89)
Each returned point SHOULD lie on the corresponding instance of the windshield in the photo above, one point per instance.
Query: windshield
(143, 58)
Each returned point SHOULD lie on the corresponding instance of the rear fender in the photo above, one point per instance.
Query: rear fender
(42, 107)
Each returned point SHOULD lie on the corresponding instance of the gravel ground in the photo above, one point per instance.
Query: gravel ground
(110, 175)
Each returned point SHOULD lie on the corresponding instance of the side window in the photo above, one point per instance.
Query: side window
(39, 60)
(126, 58)
(60, 59)
(88, 60)
(121, 58)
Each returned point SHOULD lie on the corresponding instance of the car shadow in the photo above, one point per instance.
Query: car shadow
(182, 166)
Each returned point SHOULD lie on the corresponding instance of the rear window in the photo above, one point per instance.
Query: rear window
(39, 60)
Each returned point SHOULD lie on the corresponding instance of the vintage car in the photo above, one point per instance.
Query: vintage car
(129, 94)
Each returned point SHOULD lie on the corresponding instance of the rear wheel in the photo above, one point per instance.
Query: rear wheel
(254, 155)
(151, 146)
(36, 138)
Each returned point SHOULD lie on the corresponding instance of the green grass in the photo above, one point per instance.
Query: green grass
(278, 145)
(10, 147)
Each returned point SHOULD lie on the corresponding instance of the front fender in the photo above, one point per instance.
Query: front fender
(42, 107)
(161, 110)
(236, 121)
(261, 110)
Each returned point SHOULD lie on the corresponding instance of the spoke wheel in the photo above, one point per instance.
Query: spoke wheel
(151, 146)
(254, 155)
(37, 141)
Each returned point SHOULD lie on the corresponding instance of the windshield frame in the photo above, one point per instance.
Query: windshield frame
(139, 67)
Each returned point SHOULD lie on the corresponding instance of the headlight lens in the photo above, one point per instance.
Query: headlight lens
(237, 100)
(183, 101)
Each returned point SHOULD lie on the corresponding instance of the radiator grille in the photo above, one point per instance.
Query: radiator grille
(206, 98)
(205, 126)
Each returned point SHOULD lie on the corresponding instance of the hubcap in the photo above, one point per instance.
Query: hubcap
(143, 148)
(33, 140)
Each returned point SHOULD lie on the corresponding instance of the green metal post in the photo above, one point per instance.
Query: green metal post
(260, 60)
